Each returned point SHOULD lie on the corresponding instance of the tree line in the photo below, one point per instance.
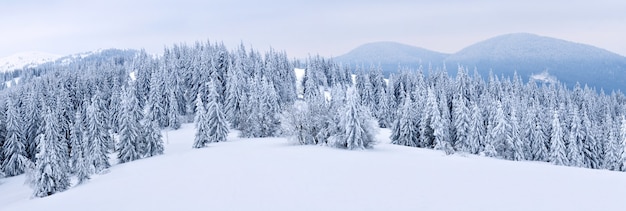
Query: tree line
(65, 120)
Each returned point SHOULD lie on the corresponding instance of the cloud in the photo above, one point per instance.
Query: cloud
(299, 27)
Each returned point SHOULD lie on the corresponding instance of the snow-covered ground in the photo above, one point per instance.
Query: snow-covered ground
(272, 174)
(25, 59)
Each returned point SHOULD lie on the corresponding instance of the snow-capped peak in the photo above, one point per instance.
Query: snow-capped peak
(26, 59)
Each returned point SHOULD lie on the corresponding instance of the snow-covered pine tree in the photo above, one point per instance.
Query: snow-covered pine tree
(235, 93)
(172, 110)
(443, 139)
(405, 129)
(202, 124)
(611, 146)
(574, 139)
(32, 119)
(51, 173)
(498, 134)
(14, 150)
(461, 121)
(476, 134)
(216, 122)
(538, 138)
(151, 131)
(355, 119)
(270, 108)
(385, 110)
(156, 98)
(514, 141)
(78, 155)
(558, 154)
(427, 123)
(590, 144)
(101, 110)
(97, 137)
(262, 110)
(440, 132)
(130, 137)
(622, 140)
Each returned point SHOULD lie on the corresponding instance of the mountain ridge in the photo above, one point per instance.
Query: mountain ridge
(525, 53)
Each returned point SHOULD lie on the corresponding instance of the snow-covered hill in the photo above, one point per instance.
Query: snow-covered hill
(390, 55)
(531, 47)
(271, 174)
(530, 54)
(524, 53)
(26, 59)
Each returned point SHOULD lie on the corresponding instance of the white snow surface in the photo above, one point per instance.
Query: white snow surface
(544, 77)
(273, 174)
(25, 59)
(299, 81)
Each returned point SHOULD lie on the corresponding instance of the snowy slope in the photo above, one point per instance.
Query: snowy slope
(26, 59)
(271, 174)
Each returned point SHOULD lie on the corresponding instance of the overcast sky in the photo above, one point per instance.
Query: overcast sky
(330, 28)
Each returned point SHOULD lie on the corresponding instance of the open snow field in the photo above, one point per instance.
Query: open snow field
(272, 174)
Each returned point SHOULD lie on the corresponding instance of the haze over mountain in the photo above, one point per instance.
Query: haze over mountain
(528, 54)
(391, 55)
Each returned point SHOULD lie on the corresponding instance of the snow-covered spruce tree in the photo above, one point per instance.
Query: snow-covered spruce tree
(156, 98)
(262, 110)
(32, 121)
(101, 111)
(590, 144)
(270, 107)
(611, 145)
(622, 140)
(97, 137)
(358, 125)
(130, 128)
(443, 140)
(78, 155)
(431, 112)
(498, 134)
(151, 131)
(514, 139)
(14, 150)
(558, 154)
(202, 124)
(216, 122)
(173, 116)
(235, 93)
(476, 134)
(405, 129)
(51, 173)
(461, 121)
(538, 138)
(385, 110)
(574, 139)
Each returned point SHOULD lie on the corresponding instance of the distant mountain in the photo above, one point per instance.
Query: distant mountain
(532, 56)
(391, 55)
(25, 59)
(99, 55)
(536, 57)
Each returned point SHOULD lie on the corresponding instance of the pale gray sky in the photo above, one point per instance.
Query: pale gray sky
(329, 28)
